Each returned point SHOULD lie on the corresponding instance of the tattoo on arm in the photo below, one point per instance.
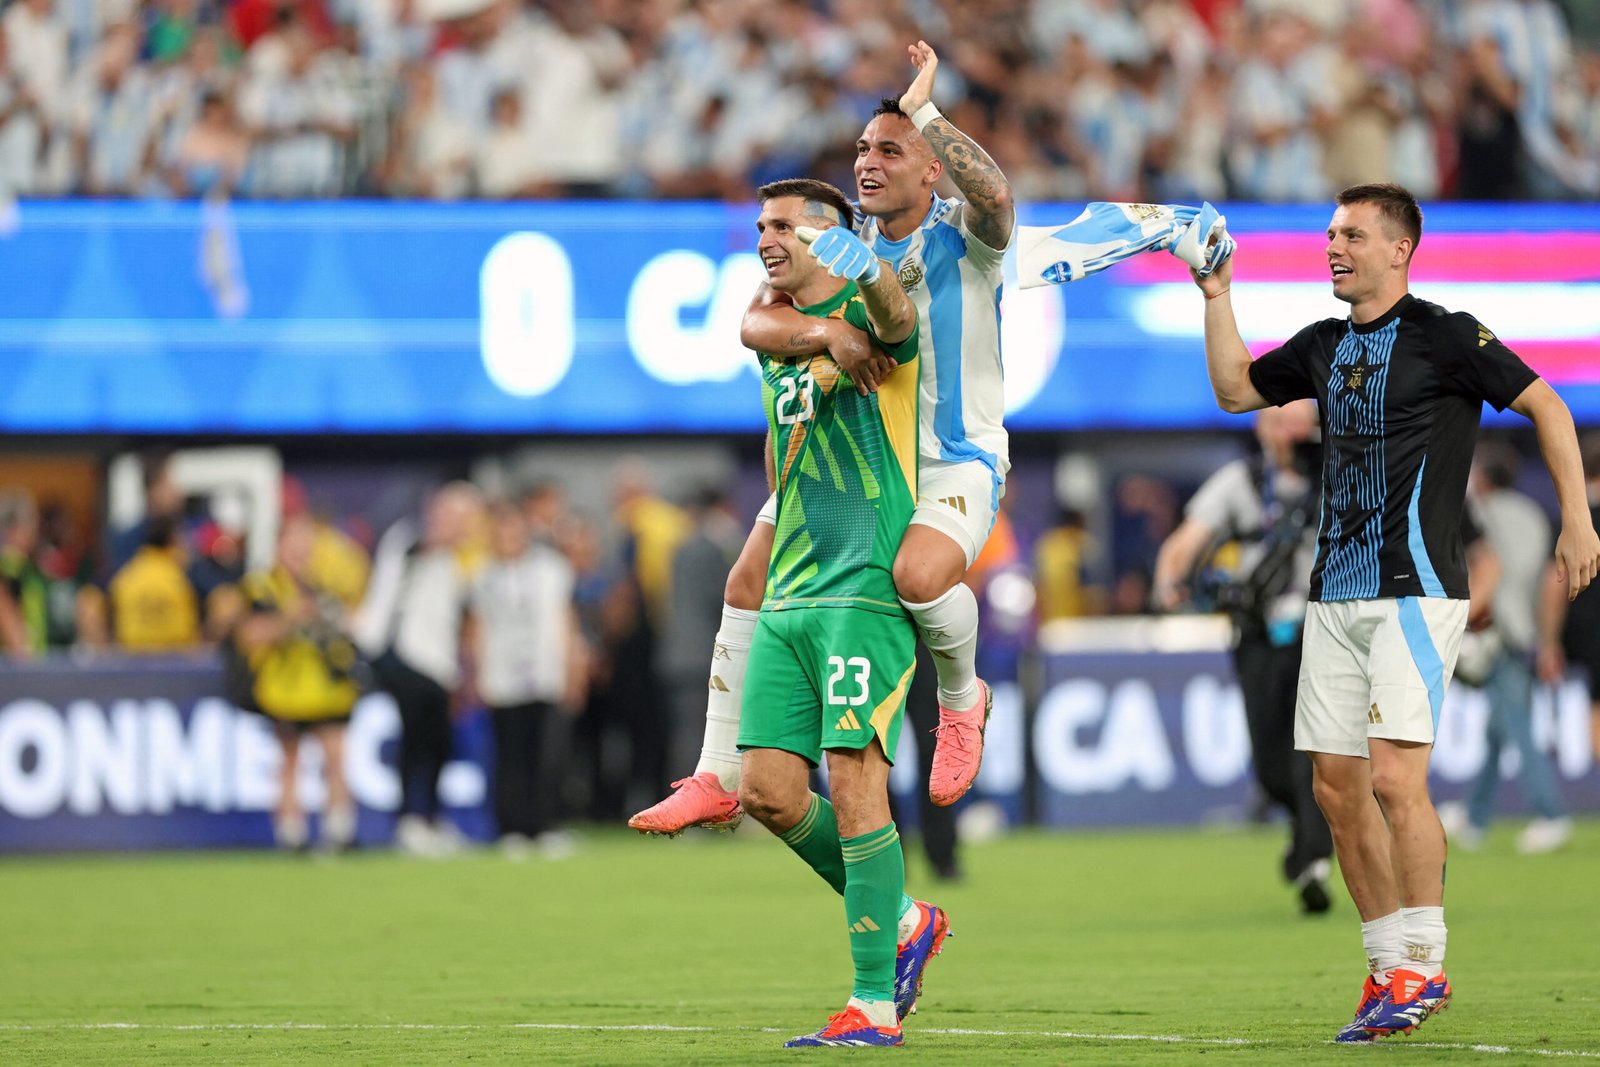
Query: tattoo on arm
(990, 212)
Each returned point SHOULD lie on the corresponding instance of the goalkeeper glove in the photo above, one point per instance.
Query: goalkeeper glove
(842, 252)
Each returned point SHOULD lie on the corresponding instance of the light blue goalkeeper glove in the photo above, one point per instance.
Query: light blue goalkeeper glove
(842, 252)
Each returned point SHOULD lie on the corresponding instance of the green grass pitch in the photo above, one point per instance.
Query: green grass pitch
(1069, 948)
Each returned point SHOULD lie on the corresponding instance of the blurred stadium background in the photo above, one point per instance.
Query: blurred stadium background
(276, 262)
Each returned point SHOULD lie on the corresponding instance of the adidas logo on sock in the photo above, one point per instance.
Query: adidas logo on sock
(864, 925)
(718, 685)
(848, 721)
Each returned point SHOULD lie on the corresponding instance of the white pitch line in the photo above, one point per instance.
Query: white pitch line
(1072, 1035)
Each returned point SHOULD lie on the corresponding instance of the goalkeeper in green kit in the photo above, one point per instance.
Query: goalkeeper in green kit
(833, 650)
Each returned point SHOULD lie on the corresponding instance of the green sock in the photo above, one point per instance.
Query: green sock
(875, 881)
(815, 839)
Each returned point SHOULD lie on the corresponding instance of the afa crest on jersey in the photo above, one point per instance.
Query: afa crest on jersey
(910, 275)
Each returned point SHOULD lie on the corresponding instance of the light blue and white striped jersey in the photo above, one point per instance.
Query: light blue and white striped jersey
(954, 280)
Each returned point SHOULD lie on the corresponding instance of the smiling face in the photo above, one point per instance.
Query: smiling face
(790, 268)
(895, 169)
(1367, 256)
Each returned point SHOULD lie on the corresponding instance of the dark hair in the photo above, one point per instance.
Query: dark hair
(889, 106)
(1395, 204)
(811, 190)
(161, 531)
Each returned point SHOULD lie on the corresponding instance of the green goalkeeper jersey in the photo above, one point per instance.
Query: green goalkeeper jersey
(846, 467)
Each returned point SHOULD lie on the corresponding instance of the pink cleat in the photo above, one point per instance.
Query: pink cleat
(698, 800)
(958, 748)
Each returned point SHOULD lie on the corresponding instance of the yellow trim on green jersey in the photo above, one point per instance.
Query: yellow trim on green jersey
(846, 468)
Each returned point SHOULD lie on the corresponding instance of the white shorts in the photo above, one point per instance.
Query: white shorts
(957, 499)
(1375, 668)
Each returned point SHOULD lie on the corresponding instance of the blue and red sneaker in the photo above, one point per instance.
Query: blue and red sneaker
(849, 1028)
(911, 961)
(1408, 1002)
(1356, 1029)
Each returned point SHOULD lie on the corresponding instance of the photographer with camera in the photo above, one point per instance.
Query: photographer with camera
(301, 667)
(1266, 505)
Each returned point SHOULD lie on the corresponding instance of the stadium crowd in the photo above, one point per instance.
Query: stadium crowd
(1164, 100)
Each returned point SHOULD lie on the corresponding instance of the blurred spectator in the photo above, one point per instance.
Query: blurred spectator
(23, 126)
(431, 152)
(651, 529)
(1144, 511)
(1266, 505)
(75, 612)
(1586, 103)
(301, 112)
(153, 605)
(544, 505)
(1523, 52)
(216, 567)
(1488, 129)
(162, 500)
(574, 99)
(36, 47)
(1499, 659)
(110, 112)
(410, 625)
(211, 156)
(1063, 561)
(1364, 111)
(1280, 98)
(510, 163)
(171, 26)
(24, 615)
(528, 662)
(1074, 98)
(699, 572)
(1572, 631)
(302, 670)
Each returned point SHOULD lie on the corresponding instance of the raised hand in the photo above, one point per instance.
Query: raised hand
(842, 252)
(921, 90)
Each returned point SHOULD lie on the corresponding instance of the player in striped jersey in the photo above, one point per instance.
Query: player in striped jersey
(946, 254)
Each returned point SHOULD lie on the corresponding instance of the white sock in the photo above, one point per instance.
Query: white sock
(1422, 940)
(910, 915)
(949, 627)
(878, 1012)
(719, 751)
(1381, 940)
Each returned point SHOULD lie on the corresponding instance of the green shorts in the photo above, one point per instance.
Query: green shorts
(821, 678)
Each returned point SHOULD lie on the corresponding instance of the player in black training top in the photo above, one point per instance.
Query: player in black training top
(1400, 385)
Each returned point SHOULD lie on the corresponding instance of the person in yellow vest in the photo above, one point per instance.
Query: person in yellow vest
(301, 667)
(153, 604)
(1062, 560)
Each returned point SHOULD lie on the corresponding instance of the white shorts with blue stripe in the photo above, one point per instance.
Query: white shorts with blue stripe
(1375, 668)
